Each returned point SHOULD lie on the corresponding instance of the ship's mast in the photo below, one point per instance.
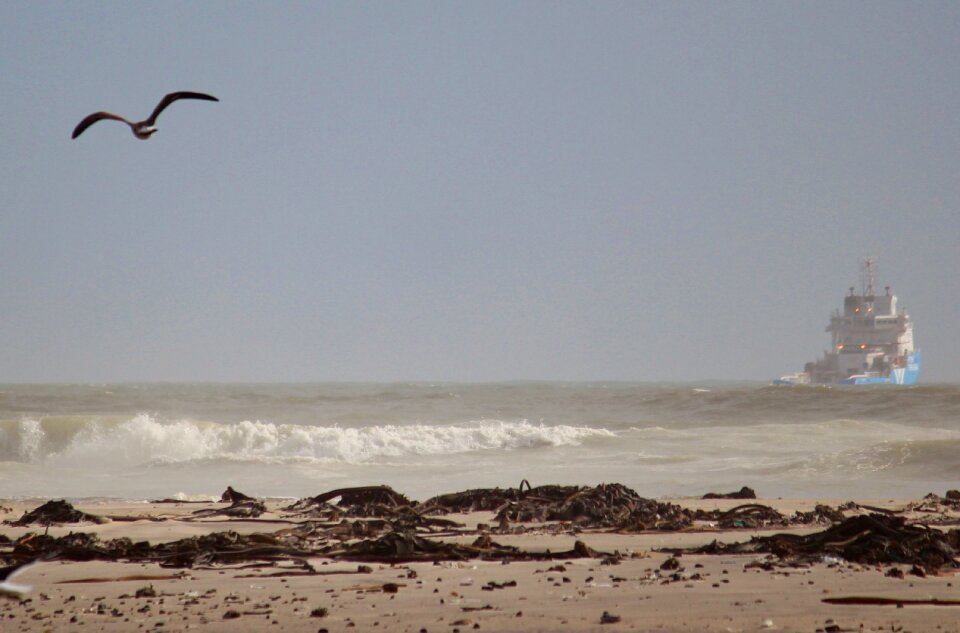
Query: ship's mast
(869, 273)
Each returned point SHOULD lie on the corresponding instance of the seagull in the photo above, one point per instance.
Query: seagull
(10, 590)
(141, 129)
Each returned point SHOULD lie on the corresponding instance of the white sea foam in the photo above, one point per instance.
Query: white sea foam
(78, 440)
(143, 439)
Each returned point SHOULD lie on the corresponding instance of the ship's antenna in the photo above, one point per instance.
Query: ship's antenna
(869, 272)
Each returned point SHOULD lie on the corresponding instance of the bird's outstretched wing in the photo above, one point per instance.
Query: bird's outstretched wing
(9, 589)
(174, 96)
(93, 118)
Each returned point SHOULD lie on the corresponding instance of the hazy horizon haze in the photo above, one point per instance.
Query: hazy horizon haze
(433, 191)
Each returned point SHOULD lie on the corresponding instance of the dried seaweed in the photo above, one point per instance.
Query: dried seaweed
(868, 539)
(744, 493)
(749, 515)
(359, 501)
(405, 547)
(821, 514)
(56, 513)
(232, 496)
(604, 506)
(220, 547)
(475, 500)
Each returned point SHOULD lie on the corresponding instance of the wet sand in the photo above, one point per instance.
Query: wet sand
(704, 593)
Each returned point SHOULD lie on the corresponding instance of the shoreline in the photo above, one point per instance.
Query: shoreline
(649, 585)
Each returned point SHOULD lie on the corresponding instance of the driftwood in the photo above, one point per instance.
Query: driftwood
(899, 602)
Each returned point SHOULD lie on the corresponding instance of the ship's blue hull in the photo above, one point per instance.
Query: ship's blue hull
(906, 375)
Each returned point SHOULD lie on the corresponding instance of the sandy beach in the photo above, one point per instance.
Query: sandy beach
(643, 588)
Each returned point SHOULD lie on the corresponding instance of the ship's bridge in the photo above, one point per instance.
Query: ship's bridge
(868, 306)
(870, 324)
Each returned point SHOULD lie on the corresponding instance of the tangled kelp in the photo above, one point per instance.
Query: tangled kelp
(474, 500)
(359, 501)
(378, 524)
(612, 506)
(868, 539)
(219, 547)
(744, 493)
(56, 513)
(241, 506)
(606, 506)
(748, 515)
(223, 548)
(405, 547)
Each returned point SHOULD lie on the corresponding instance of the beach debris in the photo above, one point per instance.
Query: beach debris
(898, 602)
(744, 493)
(404, 547)
(359, 501)
(56, 513)
(830, 626)
(219, 547)
(611, 506)
(236, 510)
(475, 500)
(603, 506)
(124, 578)
(232, 496)
(749, 515)
(867, 539)
(231, 548)
(943, 509)
(609, 618)
(225, 547)
(241, 506)
(670, 564)
(381, 508)
(821, 515)
(375, 524)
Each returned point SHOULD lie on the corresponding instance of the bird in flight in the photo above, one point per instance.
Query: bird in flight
(10, 590)
(141, 129)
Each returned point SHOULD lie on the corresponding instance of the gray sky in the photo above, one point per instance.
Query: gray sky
(471, 191)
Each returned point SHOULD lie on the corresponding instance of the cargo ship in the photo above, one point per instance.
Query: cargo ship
(872, 342)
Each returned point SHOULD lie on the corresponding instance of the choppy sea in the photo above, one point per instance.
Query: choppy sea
(190, 441)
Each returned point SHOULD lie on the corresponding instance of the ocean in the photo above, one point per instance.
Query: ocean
(190, 441)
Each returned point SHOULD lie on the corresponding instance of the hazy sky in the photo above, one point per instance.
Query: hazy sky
(471, 191)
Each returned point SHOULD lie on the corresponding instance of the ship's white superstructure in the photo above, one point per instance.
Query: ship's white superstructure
(872, 342)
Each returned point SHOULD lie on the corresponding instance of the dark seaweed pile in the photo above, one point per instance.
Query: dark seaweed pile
(378, 524)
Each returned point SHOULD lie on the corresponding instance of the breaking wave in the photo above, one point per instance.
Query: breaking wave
(143, 439)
